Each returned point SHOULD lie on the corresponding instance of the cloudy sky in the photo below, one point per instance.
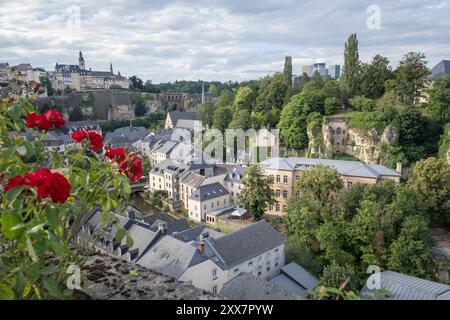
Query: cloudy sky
(216, 40)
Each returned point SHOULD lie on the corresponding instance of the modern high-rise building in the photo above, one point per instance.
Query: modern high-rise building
(334, 71)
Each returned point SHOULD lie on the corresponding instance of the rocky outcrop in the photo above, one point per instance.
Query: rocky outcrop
(370, 147)
(335, 137)
(110, 278)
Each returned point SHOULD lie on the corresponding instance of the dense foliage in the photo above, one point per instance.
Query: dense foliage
(350, 229)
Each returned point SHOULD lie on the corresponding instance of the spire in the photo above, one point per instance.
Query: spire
(111, 67)
(81, 63)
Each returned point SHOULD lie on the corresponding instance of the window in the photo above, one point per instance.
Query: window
(218, 203)
(212, 205)
(214, 273)
(224, 201)
(278, 178)
(277, 208)
(236, 270)
(297, 193)
(284, 207)
(232, 193)
(349, 184)
(250, 263)
(297, 177)
(271, 207)
(278, 193)
(285, 194)
(204, 207)
(214, 289)
(285, 179)
(338, 131)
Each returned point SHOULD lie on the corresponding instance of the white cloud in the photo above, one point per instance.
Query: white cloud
(214, 40)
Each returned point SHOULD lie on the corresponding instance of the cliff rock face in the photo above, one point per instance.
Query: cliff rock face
(368, 147)
(110, 278)
(335, 137)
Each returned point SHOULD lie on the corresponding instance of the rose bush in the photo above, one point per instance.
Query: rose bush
(43, 197)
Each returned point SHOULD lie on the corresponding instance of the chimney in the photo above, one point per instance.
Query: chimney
(399, 167)
(162, 227)
(201, 247)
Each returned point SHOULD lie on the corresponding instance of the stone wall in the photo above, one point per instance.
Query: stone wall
(110, 278)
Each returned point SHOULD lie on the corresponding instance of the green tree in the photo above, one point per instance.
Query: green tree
(206, 113)
(225, 99)
(76, 114)
(351, 71)
(244, 99)
(256, 194)
(410, 253)
(320, 185)
(140, 109)
(332, 105)
(150, 87)
(241, 120)
(439, 102)
(431, 182)
(222, 118)
(335, 276)
(410, 76)
(213, 90)
(361, 103)
(292, 124)
(373, 77)
(136, 84)
(287, 72)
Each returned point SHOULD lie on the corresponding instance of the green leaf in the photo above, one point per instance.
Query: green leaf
(52, 287)
(10, 221)
(130, 241)
(120, 234)
(31, 250)
(12, 194)
(6, 293)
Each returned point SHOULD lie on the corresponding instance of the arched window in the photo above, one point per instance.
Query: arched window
(338, 131)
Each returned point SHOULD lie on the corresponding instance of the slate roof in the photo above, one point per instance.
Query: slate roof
(188, 124)
(151, 218)
(236, 175)
(442, 69)
(175, 116)
(289, 285)
(345, 168)
(142, 237)
(164, 135)
(177, 167)
(67, 68)
(405, 287)
(170, 257)
(193, 179)
(172, 226)
(245, 243)
(300, 275)
(208, 192)
(246, 286)
(166, 147)
(125, 136)
(81, 125)
(192, 234)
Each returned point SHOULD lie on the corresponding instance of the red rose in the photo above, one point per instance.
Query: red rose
(40, 180)
(116, 154)
(59, 188)
(14, 182)
(79, 136)
(54, 117)
(50, 119)
(48, 184)
(132, 168)
(96, 140)
(32, 119)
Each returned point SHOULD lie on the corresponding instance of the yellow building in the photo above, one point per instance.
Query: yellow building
(286, 171)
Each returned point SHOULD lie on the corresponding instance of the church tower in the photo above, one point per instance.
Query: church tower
(111, 68)
(81, 61)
